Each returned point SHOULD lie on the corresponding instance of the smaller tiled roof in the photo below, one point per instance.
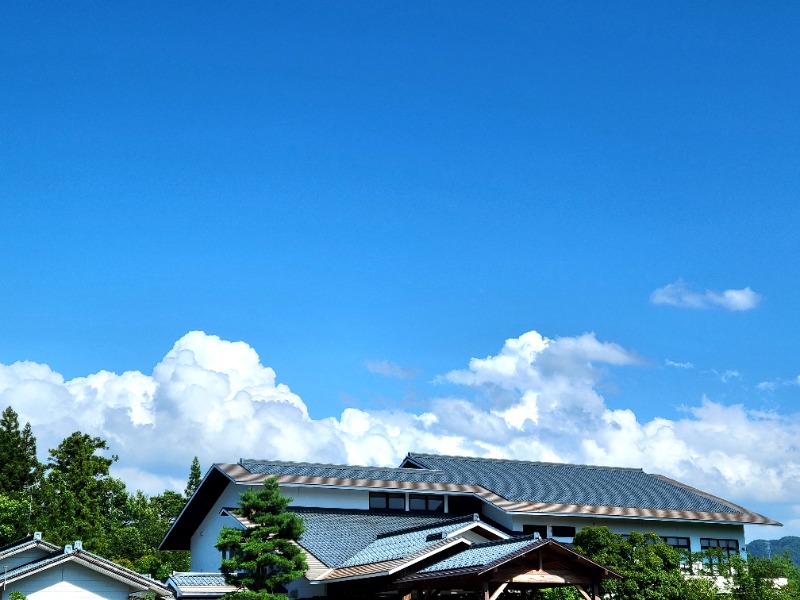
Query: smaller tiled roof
(324, 536)
(199, 585)
(26, 544)
(198, 579)
(399, 544)
(479, 559)
(484, 554)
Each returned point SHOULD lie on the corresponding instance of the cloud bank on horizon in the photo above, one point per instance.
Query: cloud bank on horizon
(536, 399)
(680, 295)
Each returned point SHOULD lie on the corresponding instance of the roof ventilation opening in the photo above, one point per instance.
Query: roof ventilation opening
(37, 535)
(78, 545)
(68, 549)
(432, 537)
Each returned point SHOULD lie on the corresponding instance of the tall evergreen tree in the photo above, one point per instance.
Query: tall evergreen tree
(80, 500)
(195, 477)
(19, 467)
(263, 558)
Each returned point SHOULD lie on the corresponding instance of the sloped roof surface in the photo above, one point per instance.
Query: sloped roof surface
(334, 536)
(264, 467)
(523, 481)
(198, 579)
(26, 544)
(483, 554)
(406, 542)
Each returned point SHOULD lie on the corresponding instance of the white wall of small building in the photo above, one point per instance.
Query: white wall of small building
(69, 582)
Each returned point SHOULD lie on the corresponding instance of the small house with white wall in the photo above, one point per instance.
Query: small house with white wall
(43, 571)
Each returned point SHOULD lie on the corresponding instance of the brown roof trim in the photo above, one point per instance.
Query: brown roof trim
(391, 566)
(239, 474)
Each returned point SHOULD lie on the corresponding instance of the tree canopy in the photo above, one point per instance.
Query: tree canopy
(262, 558)
(74, 497)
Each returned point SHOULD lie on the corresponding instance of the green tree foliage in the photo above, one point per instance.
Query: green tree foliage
(195, 477)
(134, 538)
(80, 500)
(262, 558)
(650, 569)
(19, 467)
(14, 519)
(755, 578)
(74, 497)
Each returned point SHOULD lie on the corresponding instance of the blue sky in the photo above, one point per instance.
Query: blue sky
(370, 194)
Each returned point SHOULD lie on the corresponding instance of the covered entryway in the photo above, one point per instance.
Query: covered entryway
(508, 568)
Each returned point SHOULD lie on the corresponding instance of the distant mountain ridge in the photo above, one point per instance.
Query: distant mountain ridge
(773, 548)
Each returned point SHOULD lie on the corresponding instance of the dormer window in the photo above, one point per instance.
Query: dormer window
(428, 503)
(386, 501)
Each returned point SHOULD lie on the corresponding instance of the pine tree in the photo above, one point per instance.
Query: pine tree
(263, 557)
(19, 467)
(195, 477)
(80, 500)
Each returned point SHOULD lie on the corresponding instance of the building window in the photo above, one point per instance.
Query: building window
(384, 501)
(681, 544)
(718, 552)
(563, 531)
(531, 529)
(427, 503)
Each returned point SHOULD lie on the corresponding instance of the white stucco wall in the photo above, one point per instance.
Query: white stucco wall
(693, 530)
(69, 582)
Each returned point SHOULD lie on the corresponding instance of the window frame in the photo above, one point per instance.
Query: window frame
(387, 498)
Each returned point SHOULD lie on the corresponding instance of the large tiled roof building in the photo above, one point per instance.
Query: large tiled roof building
(444, 520)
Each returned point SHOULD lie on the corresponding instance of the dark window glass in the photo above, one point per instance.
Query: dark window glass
(417, 503)
(435, 504)
(377, 501)
(384, 501)
(677, 542)
(563, 531)
(531, 529)
(397, 501)
(426, 503)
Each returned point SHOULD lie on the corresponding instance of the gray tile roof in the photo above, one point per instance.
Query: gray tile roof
(265, 467)
(198, 579)
(483, 554)
(407, 542)
(335, 536)
(523, 481)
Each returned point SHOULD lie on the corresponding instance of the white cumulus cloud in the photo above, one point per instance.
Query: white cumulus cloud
(535, 399)
(680, 295)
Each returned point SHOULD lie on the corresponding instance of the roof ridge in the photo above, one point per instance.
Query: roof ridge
(444, 522)
(513, 539)
(360, 511)
(290, 463)
(414, 455)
